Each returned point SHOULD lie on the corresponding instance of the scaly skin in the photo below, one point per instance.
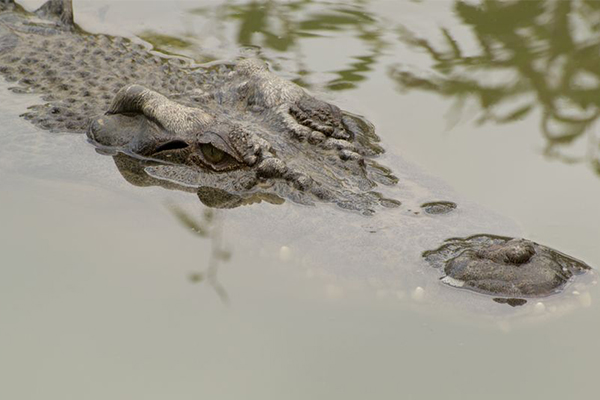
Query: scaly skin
(167, 109)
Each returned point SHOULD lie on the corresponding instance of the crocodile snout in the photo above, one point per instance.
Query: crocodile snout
(102, 131)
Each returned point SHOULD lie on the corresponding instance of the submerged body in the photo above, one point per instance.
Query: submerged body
(234, 134)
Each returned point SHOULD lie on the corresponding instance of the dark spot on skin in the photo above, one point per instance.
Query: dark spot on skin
(390, 203)
(322, 193)
(438, 207)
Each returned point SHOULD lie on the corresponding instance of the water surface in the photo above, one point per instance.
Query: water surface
(108, 290)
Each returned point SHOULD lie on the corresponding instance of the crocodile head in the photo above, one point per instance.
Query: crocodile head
(254, 133)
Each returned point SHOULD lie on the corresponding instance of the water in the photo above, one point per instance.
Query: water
(108, 290)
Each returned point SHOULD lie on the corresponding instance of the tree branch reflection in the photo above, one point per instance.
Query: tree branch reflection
(530, 54)
(208, 226)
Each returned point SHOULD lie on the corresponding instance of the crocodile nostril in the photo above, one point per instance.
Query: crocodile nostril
(172, 145)
(519, 252)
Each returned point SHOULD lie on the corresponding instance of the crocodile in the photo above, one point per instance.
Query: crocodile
(235, 133)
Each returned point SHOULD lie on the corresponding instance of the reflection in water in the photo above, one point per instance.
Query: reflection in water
(136, 172)
(347, 176)
(280, 27)
(209, 226)
(530, 55)
(165, 43)
(547, 51)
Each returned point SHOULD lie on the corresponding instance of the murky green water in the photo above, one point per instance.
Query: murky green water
(108, 290)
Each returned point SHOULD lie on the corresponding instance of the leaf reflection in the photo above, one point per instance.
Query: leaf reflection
(282, 27)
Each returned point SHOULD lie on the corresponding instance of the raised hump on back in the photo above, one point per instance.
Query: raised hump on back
(7, 4)
(57, 10)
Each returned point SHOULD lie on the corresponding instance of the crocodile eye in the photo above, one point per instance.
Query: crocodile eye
(212, 154)
(212, 157)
